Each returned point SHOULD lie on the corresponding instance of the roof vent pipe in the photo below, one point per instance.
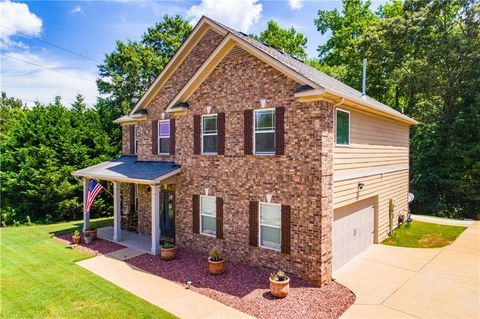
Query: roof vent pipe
(364, 79)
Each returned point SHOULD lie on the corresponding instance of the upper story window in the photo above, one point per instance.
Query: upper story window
(270, 225)
(136, 197)
(208, 215)
(264, 132)
(209, 134)
(164, 137)
(342, 127)
(135, 137)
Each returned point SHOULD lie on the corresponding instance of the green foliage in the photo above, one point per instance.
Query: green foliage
(278, 276)
(39, 148)
(423, 235)
(216, 254)
(288, 40)
(167, 245)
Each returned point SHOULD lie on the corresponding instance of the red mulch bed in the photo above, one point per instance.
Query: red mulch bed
(246, 288)
(97, 247)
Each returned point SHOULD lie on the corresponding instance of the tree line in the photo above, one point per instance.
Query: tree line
(423, 60)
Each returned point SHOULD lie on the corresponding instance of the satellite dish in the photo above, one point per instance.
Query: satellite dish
(411, 197)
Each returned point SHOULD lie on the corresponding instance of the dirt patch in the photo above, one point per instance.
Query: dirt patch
(246, 288)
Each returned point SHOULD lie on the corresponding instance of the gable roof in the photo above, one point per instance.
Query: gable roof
(321, 85)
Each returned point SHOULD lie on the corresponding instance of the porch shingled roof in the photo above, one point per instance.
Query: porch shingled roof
(127, 168)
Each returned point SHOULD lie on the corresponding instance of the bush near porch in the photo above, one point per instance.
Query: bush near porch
(40, 279)
(423, 235)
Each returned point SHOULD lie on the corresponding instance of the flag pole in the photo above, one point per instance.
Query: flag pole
(104, 187)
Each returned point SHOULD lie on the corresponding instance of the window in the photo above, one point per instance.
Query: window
(264, 132)
(209, 134)
(135, 137)
(270, 225)
(164, 137)
(343, 127)
(136, 197)
(208, 215)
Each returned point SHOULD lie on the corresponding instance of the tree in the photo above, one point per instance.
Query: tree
(288, 40)
(79, 104)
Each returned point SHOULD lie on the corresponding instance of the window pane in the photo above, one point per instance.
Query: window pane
(164, 145)
(343, 127)
(210, 144)
(209, 206)
(270, 237)
(264, 142)
(210, 124)
(209, 225)
(164, 128)
(270, 215)
(265, 120)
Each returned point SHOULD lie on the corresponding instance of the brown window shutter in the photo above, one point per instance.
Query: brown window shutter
(196, 134)
(219, 207)
(172, 137)
(132, 199)
(221, 133)
(154, 137)
(285, 246)
(253, 224)
(248, 132)
(132, 139)
(196, 213)
(280, 130)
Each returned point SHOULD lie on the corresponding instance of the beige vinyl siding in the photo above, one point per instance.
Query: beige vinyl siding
(378, 156)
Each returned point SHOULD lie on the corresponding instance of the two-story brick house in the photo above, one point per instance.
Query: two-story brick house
(240, 146)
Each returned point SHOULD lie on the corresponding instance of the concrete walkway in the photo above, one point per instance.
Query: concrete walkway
(163, 293)
(443, 221)
(395, 282)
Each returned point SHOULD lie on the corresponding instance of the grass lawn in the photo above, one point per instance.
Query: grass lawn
(423, 235)
(39, 279)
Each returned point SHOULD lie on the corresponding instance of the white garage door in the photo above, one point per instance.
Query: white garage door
(352, 233)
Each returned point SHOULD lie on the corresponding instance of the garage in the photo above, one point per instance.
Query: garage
(352, 232)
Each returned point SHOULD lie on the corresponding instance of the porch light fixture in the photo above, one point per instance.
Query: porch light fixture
(269, 198)
(163, 115)
(209, 109)
(361, 186)
(263, 103)
(206, 191)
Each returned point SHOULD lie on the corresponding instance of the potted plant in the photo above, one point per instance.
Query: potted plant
(279, 284)
(77, 237)
(216, 262)
(168, 251)
(91, 231)
(87, 239)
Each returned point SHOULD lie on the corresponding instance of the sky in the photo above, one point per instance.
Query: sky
(51, 48)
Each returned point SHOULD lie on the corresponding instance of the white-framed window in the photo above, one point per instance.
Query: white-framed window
(164, 137)
(135, 138)
(208, 215)
(136, 197)
(209, 134)
(264, 132)
(270, 226)
(342, 127)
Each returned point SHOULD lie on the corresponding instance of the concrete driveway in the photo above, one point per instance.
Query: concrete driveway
(394, 282)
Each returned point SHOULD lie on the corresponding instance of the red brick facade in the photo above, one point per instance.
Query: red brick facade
(302, 178)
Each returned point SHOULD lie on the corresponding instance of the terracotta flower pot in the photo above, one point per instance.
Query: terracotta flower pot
(279, 289)
(216, 267)
(168, 253)
(76, 239)
(92, 233)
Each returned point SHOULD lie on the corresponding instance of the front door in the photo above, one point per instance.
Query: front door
(167, 215)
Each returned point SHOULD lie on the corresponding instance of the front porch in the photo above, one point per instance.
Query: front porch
(152, 175)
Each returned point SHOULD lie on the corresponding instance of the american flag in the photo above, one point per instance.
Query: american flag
(94, 189)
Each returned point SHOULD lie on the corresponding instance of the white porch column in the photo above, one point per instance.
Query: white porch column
(86, 215)
(117, 231)
(155, 219)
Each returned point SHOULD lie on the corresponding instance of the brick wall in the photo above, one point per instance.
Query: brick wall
(302, 178)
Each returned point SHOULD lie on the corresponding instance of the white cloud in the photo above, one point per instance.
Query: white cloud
(238, 14)
(295, 4)
(16, 17)
(76, 9)
(31, 83)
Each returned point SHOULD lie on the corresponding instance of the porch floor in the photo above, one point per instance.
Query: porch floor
(129, 239)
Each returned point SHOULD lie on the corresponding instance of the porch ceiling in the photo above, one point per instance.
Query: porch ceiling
(128, 169)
